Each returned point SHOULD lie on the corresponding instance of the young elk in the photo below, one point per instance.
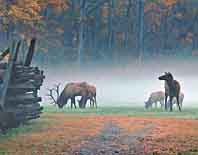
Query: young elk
(155, 98)
(172, 89)
(90, 96)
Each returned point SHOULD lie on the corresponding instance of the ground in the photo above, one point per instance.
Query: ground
(105, 131)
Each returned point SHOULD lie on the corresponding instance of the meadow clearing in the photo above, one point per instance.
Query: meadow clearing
(106, 130)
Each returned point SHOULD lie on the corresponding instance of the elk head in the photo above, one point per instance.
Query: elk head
(167, 77)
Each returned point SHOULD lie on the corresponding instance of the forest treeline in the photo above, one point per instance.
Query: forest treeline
(93, 30)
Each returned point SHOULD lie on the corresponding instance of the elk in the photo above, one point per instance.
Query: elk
(154, 98)
(172, 89)
(70, 91)
(181, 98)
(91, 96)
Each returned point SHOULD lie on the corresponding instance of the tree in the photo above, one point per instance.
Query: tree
(141, 29)
(82, 31)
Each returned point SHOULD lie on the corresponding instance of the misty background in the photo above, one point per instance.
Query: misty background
(120, 46)
(128, 84)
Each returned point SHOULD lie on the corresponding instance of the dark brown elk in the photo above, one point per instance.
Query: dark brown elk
(70, 91)
(155, 98)
(172, 89)
(90, 96)
(181, 99)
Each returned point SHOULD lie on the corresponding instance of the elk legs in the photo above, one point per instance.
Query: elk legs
(171, 103)
(73, 102)
(166, 98)
(178, 103)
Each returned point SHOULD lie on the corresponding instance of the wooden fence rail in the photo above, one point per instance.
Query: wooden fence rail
(19, 86)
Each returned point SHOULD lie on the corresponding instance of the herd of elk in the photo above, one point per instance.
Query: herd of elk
(172, 90)
(88, 92)
(71, 91)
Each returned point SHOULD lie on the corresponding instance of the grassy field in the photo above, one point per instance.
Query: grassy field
(31, 126)
(52, 115)
(188, 113)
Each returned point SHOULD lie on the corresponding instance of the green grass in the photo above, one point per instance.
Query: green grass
(12, 133)
(188, 113)
(4, 152)
(23, 129)
(36, 125)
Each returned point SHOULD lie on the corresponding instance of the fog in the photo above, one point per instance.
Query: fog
(127, 84)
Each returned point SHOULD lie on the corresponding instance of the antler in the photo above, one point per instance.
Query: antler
(57, 89)
(50, 95)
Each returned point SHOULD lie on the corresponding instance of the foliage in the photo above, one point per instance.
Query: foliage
(56, 24)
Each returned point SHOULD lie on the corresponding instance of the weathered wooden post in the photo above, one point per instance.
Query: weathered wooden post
(7, 78)
(30, 53)
(19, 86)
(4, 54)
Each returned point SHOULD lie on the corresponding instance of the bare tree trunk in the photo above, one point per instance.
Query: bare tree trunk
(128, 13)
(96, 32)
(81, 31)
(110, 25)
(165, 30)
(141, 30)
(195, 32)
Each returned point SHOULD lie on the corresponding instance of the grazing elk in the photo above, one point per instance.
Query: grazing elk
(90, 96)
(70, 91)
(172, 89)
(155, 98)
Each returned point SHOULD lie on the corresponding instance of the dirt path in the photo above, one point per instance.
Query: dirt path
(115, 140)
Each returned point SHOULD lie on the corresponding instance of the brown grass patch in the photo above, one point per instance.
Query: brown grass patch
(171, 136)
(65, 133)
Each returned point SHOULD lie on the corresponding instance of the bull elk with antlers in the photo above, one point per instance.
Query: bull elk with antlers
(72, 90)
